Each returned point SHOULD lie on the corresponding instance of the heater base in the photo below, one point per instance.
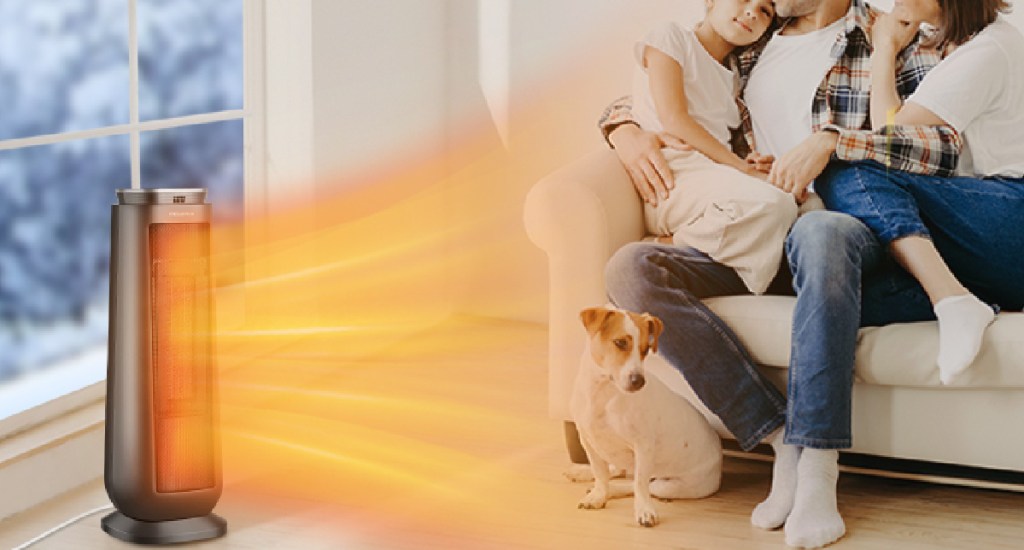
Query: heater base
(131, 530)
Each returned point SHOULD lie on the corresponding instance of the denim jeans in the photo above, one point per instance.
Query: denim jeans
(977, 225)
(830, 254)
(669, 283)
(844, 279)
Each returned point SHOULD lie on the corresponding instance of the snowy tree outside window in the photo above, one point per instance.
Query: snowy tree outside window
(66, 137)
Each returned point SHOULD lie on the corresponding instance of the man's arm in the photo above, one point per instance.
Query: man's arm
(930, 150)
(927, 150)
(619, 113)
(889, 36)
(639, 150)
(909, 144)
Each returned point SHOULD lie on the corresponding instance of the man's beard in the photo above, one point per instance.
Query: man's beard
(797, 8)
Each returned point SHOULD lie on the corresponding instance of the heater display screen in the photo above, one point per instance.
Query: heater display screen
(181, 325)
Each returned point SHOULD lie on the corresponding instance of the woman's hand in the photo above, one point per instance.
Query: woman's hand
(889, 34)
(797, 169)
(640, 153)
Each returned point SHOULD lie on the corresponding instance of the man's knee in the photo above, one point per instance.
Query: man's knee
(625, 270)
(823, 234)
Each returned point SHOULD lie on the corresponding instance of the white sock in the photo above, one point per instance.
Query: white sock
(815, 520)
(773, 511)
(962, 324)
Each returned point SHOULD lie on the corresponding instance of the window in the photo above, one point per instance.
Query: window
(97, 95)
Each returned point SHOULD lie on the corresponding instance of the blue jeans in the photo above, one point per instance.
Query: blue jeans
(844, 279)
(669, 282)
(977, 225)
(830, 254)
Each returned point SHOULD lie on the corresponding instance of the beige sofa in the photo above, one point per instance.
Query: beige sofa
(584, 212)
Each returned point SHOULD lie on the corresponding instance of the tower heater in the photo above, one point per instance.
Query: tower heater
(162, 463)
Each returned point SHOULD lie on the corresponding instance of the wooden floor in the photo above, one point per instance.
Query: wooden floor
(474, 463)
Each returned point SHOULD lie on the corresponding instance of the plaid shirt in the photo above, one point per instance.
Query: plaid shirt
(842, 105)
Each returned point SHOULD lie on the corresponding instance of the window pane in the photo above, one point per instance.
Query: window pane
(201, 155)
(63, 65)
(55, 249)
(190, 57)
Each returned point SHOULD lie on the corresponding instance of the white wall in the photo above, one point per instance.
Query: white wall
(380, 79)
(1017, 16)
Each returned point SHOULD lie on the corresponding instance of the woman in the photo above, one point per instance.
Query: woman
(962, 236)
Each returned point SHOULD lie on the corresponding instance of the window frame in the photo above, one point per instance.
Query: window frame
(252, 114)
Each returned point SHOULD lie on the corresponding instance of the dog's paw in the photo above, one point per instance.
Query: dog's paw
(646, 516)
(594, 500)
(579, 473)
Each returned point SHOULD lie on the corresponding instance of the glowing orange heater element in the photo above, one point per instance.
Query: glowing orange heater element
(181, 356)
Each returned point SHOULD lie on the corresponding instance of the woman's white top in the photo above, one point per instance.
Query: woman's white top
(979, 90)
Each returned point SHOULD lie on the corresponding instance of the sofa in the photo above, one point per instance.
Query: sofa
(581, 214)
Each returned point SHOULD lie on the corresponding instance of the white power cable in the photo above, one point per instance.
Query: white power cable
(71, 521)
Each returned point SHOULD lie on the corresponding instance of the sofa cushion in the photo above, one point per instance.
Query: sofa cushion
(893, 355)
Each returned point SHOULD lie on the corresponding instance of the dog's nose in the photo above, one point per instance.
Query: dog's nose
(636, 381)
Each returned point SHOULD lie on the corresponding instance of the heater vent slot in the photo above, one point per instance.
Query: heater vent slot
(182, 370)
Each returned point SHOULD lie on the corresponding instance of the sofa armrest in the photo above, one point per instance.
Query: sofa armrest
(579, 215)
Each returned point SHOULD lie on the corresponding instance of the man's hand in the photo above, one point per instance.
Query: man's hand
(640, 153)
(797, 169)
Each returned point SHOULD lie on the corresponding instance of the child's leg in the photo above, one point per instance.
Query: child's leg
(737, 220)
(662, 219)
(962, 317)
(886, 202)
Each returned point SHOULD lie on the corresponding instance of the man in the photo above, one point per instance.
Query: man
(802, 91)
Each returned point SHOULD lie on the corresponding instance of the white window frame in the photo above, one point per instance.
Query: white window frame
(90, 388)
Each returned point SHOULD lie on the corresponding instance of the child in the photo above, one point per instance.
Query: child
(719, 204)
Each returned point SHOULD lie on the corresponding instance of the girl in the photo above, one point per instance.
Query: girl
(719, 203)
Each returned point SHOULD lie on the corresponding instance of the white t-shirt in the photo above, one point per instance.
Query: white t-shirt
(708, 85)
(979, 91)
(781, 88)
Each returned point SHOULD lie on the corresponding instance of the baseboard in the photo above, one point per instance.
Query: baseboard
(898, 468)
(51, 458)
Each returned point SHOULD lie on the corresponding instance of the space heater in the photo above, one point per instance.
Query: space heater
(162, 463)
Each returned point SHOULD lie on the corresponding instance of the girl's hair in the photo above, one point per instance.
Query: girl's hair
(962, 19)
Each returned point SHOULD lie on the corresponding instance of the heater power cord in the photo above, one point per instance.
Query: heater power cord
(67, 523)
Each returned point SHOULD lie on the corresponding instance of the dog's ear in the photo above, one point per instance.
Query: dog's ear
(654, 328)
(593, 318)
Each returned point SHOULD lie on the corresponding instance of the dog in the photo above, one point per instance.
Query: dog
(635, 422)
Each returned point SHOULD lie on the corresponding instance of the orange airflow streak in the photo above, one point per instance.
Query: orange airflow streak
(328, 391)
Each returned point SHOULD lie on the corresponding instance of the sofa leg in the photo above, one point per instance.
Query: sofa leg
(572, 443)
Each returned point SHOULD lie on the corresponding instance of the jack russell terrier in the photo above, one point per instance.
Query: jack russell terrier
(635, 422)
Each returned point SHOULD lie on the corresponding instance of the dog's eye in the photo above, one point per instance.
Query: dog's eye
(622, 344)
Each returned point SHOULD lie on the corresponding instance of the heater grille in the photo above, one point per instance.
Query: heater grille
(182, 400)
